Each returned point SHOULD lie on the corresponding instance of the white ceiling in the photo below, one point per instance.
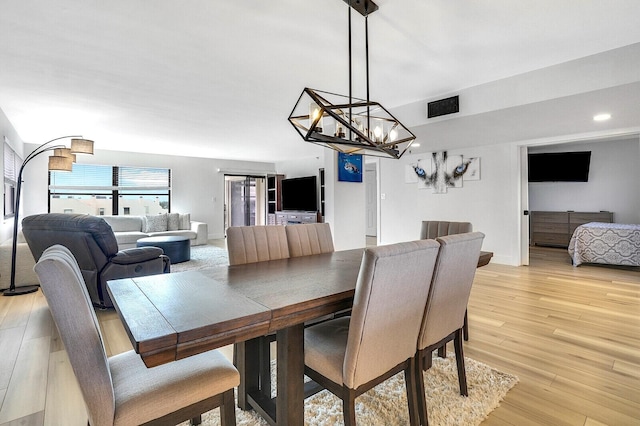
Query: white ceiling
(218, 78)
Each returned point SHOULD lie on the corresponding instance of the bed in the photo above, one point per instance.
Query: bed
(606, 243)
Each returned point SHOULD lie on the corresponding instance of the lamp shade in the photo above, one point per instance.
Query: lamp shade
(64, 152)
(60, 163)
(81, 146)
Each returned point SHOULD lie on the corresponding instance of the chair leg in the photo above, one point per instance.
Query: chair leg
(442, 351)
(465, 327)
(349, 408)
(228, 409)
(410, 377)
(419, 386)
(462, 375)
(195, 421)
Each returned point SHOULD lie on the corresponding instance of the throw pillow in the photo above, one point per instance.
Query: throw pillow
(173, 221)
(185, 221)
(156, 223)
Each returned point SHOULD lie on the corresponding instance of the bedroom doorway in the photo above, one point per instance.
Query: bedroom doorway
(244, 200)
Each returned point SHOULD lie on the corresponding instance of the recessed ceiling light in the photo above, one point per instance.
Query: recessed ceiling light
(601, 117)
(415, 145)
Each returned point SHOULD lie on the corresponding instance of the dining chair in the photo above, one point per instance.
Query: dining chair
(441, 228)
(249, 244)
(445, 311)
(350, 355)
(309, 238)
(121, 390)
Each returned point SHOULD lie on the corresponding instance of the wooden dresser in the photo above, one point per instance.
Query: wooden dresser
(556, 228)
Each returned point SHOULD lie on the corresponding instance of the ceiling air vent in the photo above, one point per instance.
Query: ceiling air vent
(443, 107)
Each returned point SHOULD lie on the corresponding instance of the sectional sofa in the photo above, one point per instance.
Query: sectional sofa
(129, 229)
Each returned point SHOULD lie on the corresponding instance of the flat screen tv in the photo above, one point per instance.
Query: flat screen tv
(559, 166)
(300, 194)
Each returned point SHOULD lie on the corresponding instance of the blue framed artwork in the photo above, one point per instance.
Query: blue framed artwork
(349, 167)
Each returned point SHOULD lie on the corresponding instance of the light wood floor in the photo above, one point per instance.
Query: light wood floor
(570, 334)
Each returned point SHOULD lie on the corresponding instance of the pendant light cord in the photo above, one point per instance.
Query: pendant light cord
(350, 84)
(366, 55)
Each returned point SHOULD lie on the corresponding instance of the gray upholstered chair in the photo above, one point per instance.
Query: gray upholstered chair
(439, 228)
(350, 355)
(93, 244)
(249, 244)
(447, 305)
(121, 390)
(309, 238)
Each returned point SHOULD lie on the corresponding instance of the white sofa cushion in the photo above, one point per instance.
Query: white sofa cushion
(124, 223)
(129, 237)
(180, 233)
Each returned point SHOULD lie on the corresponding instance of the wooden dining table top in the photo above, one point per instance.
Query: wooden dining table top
(173, 316)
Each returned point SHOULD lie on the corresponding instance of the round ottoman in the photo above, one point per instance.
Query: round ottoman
(177, 248)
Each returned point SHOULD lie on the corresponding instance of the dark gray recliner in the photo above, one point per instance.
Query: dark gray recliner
(91, 240)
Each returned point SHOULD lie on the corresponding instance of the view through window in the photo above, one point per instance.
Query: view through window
(106, 190)
(12, 165)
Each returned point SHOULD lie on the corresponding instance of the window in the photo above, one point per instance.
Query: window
(12, 165)
(99, 190)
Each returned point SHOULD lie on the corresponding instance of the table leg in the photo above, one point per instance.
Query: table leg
(245, 356)
(290, 383)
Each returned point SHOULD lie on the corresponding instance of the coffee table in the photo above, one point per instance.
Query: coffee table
(177, 248)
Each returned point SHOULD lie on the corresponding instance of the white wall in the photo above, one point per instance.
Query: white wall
(344, 201)
(613, 185)
(490, 204)
(308, 166)
(197, 185)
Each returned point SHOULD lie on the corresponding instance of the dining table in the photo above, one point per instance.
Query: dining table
(173, 316)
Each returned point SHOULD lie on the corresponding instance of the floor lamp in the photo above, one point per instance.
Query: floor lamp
(61, 160)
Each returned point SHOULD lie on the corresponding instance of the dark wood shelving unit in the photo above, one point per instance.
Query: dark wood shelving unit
(274, 200)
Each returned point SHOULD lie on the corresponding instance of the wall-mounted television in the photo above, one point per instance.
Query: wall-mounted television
(300, 194)
(559, 166)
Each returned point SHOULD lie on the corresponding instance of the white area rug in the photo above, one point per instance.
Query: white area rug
(386, 404)
(203, 257)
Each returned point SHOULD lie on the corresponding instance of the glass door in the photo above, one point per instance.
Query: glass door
(245, 198)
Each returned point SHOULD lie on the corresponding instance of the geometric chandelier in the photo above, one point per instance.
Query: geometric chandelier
(347, 124)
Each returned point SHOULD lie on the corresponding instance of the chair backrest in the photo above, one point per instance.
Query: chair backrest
(438, 228)
(89, 234)
(452, 279)
(309, 238)
(389, 303)
(89, 238)
(78, 326)
(250, 244)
